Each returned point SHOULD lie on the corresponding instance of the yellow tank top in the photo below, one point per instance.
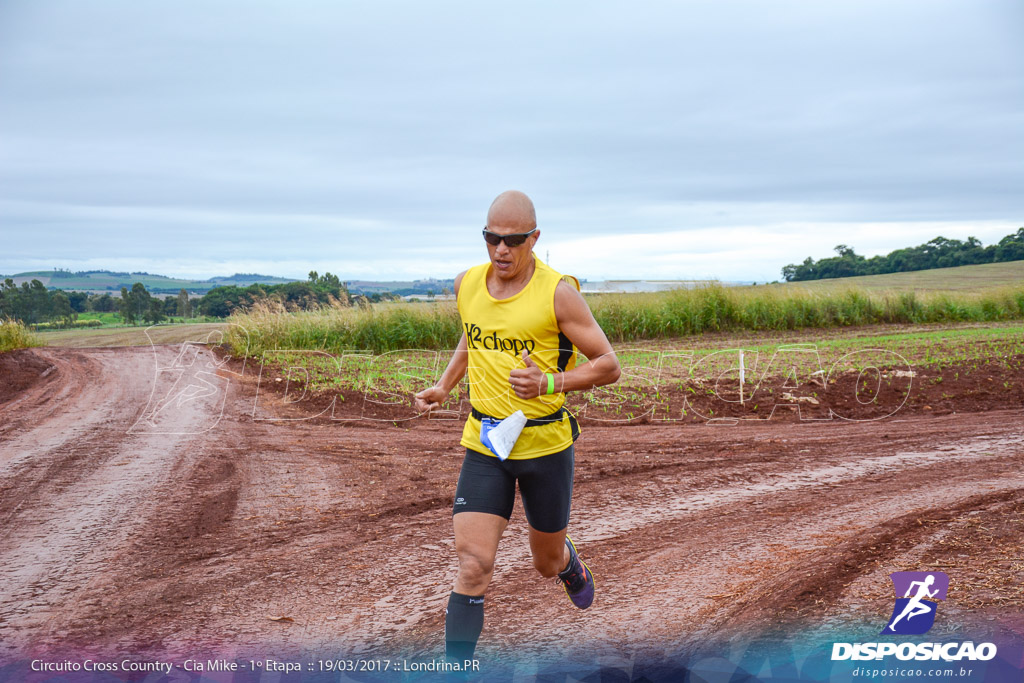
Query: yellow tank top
(497, 331)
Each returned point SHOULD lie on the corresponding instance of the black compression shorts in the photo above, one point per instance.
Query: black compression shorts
(487, 484)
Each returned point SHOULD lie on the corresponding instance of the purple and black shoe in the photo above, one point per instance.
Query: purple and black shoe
(577, 579)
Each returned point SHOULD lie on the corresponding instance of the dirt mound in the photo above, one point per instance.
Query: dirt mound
(874, 394)
(20, 370)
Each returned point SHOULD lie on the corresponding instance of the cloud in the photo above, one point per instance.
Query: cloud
(743, 253)
(230, 132)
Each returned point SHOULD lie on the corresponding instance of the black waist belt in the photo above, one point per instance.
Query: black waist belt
(538, 421)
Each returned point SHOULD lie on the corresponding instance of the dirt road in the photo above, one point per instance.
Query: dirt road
(149, 504)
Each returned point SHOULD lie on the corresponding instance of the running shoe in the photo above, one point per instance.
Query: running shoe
(577, 579)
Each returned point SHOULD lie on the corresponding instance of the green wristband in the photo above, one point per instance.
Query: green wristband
(551, 382)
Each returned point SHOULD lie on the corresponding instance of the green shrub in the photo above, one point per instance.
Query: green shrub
(62, 325)
(14, 335)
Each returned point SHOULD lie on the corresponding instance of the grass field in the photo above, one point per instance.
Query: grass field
(630, 317)
(130, 336)
(111, 319)
(969, 346)
(931, 316)
(963, 279)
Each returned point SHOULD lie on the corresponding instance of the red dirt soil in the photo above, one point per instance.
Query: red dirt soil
(149, 504)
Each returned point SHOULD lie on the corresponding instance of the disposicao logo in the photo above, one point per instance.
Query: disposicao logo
(917, 596)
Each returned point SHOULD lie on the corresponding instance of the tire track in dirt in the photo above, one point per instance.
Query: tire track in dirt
(77, 487)
(38, 416)
(79, 427)
(811, 586)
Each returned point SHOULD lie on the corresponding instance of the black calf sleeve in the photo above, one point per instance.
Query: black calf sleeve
(463, 622)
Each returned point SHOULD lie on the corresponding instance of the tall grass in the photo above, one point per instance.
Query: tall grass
(386, 327)
(715, 308)
(626, 317)
(14, 335)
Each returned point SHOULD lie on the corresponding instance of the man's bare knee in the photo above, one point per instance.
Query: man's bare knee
(475, 572)
(548, 550)
(548, 565)
(475, 566)
(476, 542)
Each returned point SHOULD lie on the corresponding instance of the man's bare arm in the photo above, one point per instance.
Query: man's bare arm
(432, 397)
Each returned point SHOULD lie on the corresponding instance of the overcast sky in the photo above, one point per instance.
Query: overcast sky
(657, 139)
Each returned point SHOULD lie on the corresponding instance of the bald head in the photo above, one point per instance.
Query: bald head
(512, 209)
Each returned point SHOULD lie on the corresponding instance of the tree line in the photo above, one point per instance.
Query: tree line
(138, 305)
(936, 253)
(315, 292)
(33, 304)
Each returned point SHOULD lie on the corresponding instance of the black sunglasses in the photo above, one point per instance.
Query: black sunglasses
(494, 239)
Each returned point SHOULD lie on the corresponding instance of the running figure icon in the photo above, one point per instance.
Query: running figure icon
(917, 595)
(915, 607)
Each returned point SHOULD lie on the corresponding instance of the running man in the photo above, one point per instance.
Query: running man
(915, 607)
(522, 325)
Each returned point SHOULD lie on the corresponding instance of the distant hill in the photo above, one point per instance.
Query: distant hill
(977, 278)
(99, 281)
(401, 287)
(112, 281)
